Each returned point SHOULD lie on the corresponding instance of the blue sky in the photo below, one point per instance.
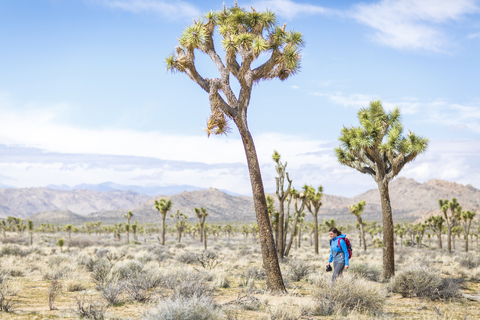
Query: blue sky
(83, 91)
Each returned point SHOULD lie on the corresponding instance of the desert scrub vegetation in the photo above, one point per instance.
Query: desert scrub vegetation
(423, 282)
(348, 294)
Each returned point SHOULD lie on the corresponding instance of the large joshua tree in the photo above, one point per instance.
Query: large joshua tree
(357, 210)
(245, 36)
(436, 224)
(163, 206)
(378, 148)
(452, 212)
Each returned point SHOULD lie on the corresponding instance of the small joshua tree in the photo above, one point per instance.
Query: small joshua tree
(313, 204)
(452, 212)
(180, 223)
(377, 148)
(30, 230)
(69, 228)
(282, 194)
(436, 224)
(127, 230)
(163, 206)
(134, 229)
(357, 210)
(61, 242)
(202, 214)
(467, 217)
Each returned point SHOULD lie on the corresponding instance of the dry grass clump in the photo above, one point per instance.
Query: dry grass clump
(424, 283)
(469, 261)
(60, 266)
(83, 241)
(185, 308)
(366, 271)
(221, 279)
(89, 309)
(8, 290)
(283, 312)
(348, 294)
(15, 250)
(298, 270)
(16, 240)
(187, 258)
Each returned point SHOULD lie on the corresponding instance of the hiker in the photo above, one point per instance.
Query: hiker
(339, 254)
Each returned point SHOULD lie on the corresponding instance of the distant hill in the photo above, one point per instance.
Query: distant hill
(24, 202)
(58, 217)
(410, 200)
(110, 186)
(219, 205)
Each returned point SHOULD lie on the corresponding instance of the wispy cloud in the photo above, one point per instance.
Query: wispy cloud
(167, 9)
(412, 24)
(473, 35)
(291, 9)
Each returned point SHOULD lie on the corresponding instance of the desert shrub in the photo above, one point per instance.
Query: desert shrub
(221, 280)
(102, 252)
(366, 271)
(183, 308)
(54, 291)
(187, 258)
(73, 285)
(13, 271)
(188, 289)
(469, 261)
(138, 285)
(244, 252)
(58, 272)
(89, 309)
(424, 283)
(283, 312)
(297, 270)
(111, 291)
(348, 294)
(161, 253)
(123, 270)
(101, 272)
(14, 250)
(180, 246)
(83, 241)
(250, 275)
(8, 289)
(16, 240)
(208, 259)
(59, 259)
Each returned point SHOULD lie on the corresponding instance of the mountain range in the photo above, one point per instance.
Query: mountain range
(409, 198)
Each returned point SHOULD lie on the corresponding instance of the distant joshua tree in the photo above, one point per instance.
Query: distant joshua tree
(69, 229)
(436, 224)
(134, 229)
(452, 212)
(467, 217)
(202, 214)
(180, 223)
(298, 215)
(282, 194)
(377, 148)
(313, 204)
(357, 210)
(4, 227)
(61, 242)
(30, 230)
(163, 206)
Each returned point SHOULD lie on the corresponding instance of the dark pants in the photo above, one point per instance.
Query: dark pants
(337, 270)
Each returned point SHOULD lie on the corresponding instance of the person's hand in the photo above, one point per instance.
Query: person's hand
(346, 268)
(328, 264)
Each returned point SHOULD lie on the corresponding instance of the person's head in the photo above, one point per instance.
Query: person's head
(334, 232)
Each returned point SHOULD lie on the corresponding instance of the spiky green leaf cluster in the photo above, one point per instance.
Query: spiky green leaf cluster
(378, 138)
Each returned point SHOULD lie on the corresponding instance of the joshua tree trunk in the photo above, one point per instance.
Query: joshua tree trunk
(439, 239)
(31, 239)
(299, 237)
(267, 243)
(204, 239)
(315, 236)
(163, 228)
(280, 243)
(388, 246)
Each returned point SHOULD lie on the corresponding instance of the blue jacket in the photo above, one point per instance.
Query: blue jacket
(340, 253)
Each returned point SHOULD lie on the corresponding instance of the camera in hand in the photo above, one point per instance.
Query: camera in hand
(329, 268)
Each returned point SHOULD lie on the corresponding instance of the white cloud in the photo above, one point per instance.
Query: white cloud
(168, 9)
(290, 9)
(473, 35)
(412, 24)
(455, 117)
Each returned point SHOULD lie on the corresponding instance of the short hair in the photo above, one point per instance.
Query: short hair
(335, 230)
